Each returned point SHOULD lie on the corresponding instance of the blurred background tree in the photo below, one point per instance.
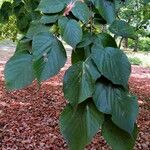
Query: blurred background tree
(15, 17)
(8, 29)
(15, 20)
(137, 13)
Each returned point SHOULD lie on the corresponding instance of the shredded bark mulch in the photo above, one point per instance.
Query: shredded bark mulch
(29, 117)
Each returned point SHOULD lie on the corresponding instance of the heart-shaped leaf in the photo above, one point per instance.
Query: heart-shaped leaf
(112, 63)
(118, 103)
(80, 125)
(19, 71)
(49, 55)
(81, 11)
(117, 138)
(122, 28)
(71, 31)
(106, 8)
(79, 81)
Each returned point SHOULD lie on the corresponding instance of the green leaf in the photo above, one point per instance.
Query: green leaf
(31, 5)
(86, 40)
(42, 43)
(35, 28)
(23, 22)
(24, 46)
(105, 40)
(79, 81)
(72, 33)
(78, 55)
(117, 138)
(146, 1)
(5, 12)
(16, 3)
(66, 1)
(112, 63)
(18, 8)
(80, 125)
(51, 6)
(115, 101)
(106, 8)
(81, 11)
(49, 55)
(18, 71)
(7, 8)
(62, 22)
(46, 19)
(122, 28)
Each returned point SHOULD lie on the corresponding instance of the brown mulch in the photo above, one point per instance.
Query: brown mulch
(140, 85)
(29, 118)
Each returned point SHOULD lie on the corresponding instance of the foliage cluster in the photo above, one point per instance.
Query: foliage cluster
(96, 85)
(135, 61)
(143, 45)
(9, 30)
(15, 17)
(137, 13)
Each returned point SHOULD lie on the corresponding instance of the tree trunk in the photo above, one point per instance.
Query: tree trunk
(120, 43)
(136, 45)
(123, 43)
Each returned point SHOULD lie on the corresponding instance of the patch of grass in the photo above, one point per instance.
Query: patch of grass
(135, 61)
(143, 44)
(144, 57)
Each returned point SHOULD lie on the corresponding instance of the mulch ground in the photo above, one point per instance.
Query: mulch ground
(29, 118)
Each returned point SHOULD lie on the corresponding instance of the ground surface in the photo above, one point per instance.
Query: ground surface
(144, 57)
(29, 119)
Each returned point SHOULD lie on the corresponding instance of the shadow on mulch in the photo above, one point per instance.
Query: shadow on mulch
(29, 118)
